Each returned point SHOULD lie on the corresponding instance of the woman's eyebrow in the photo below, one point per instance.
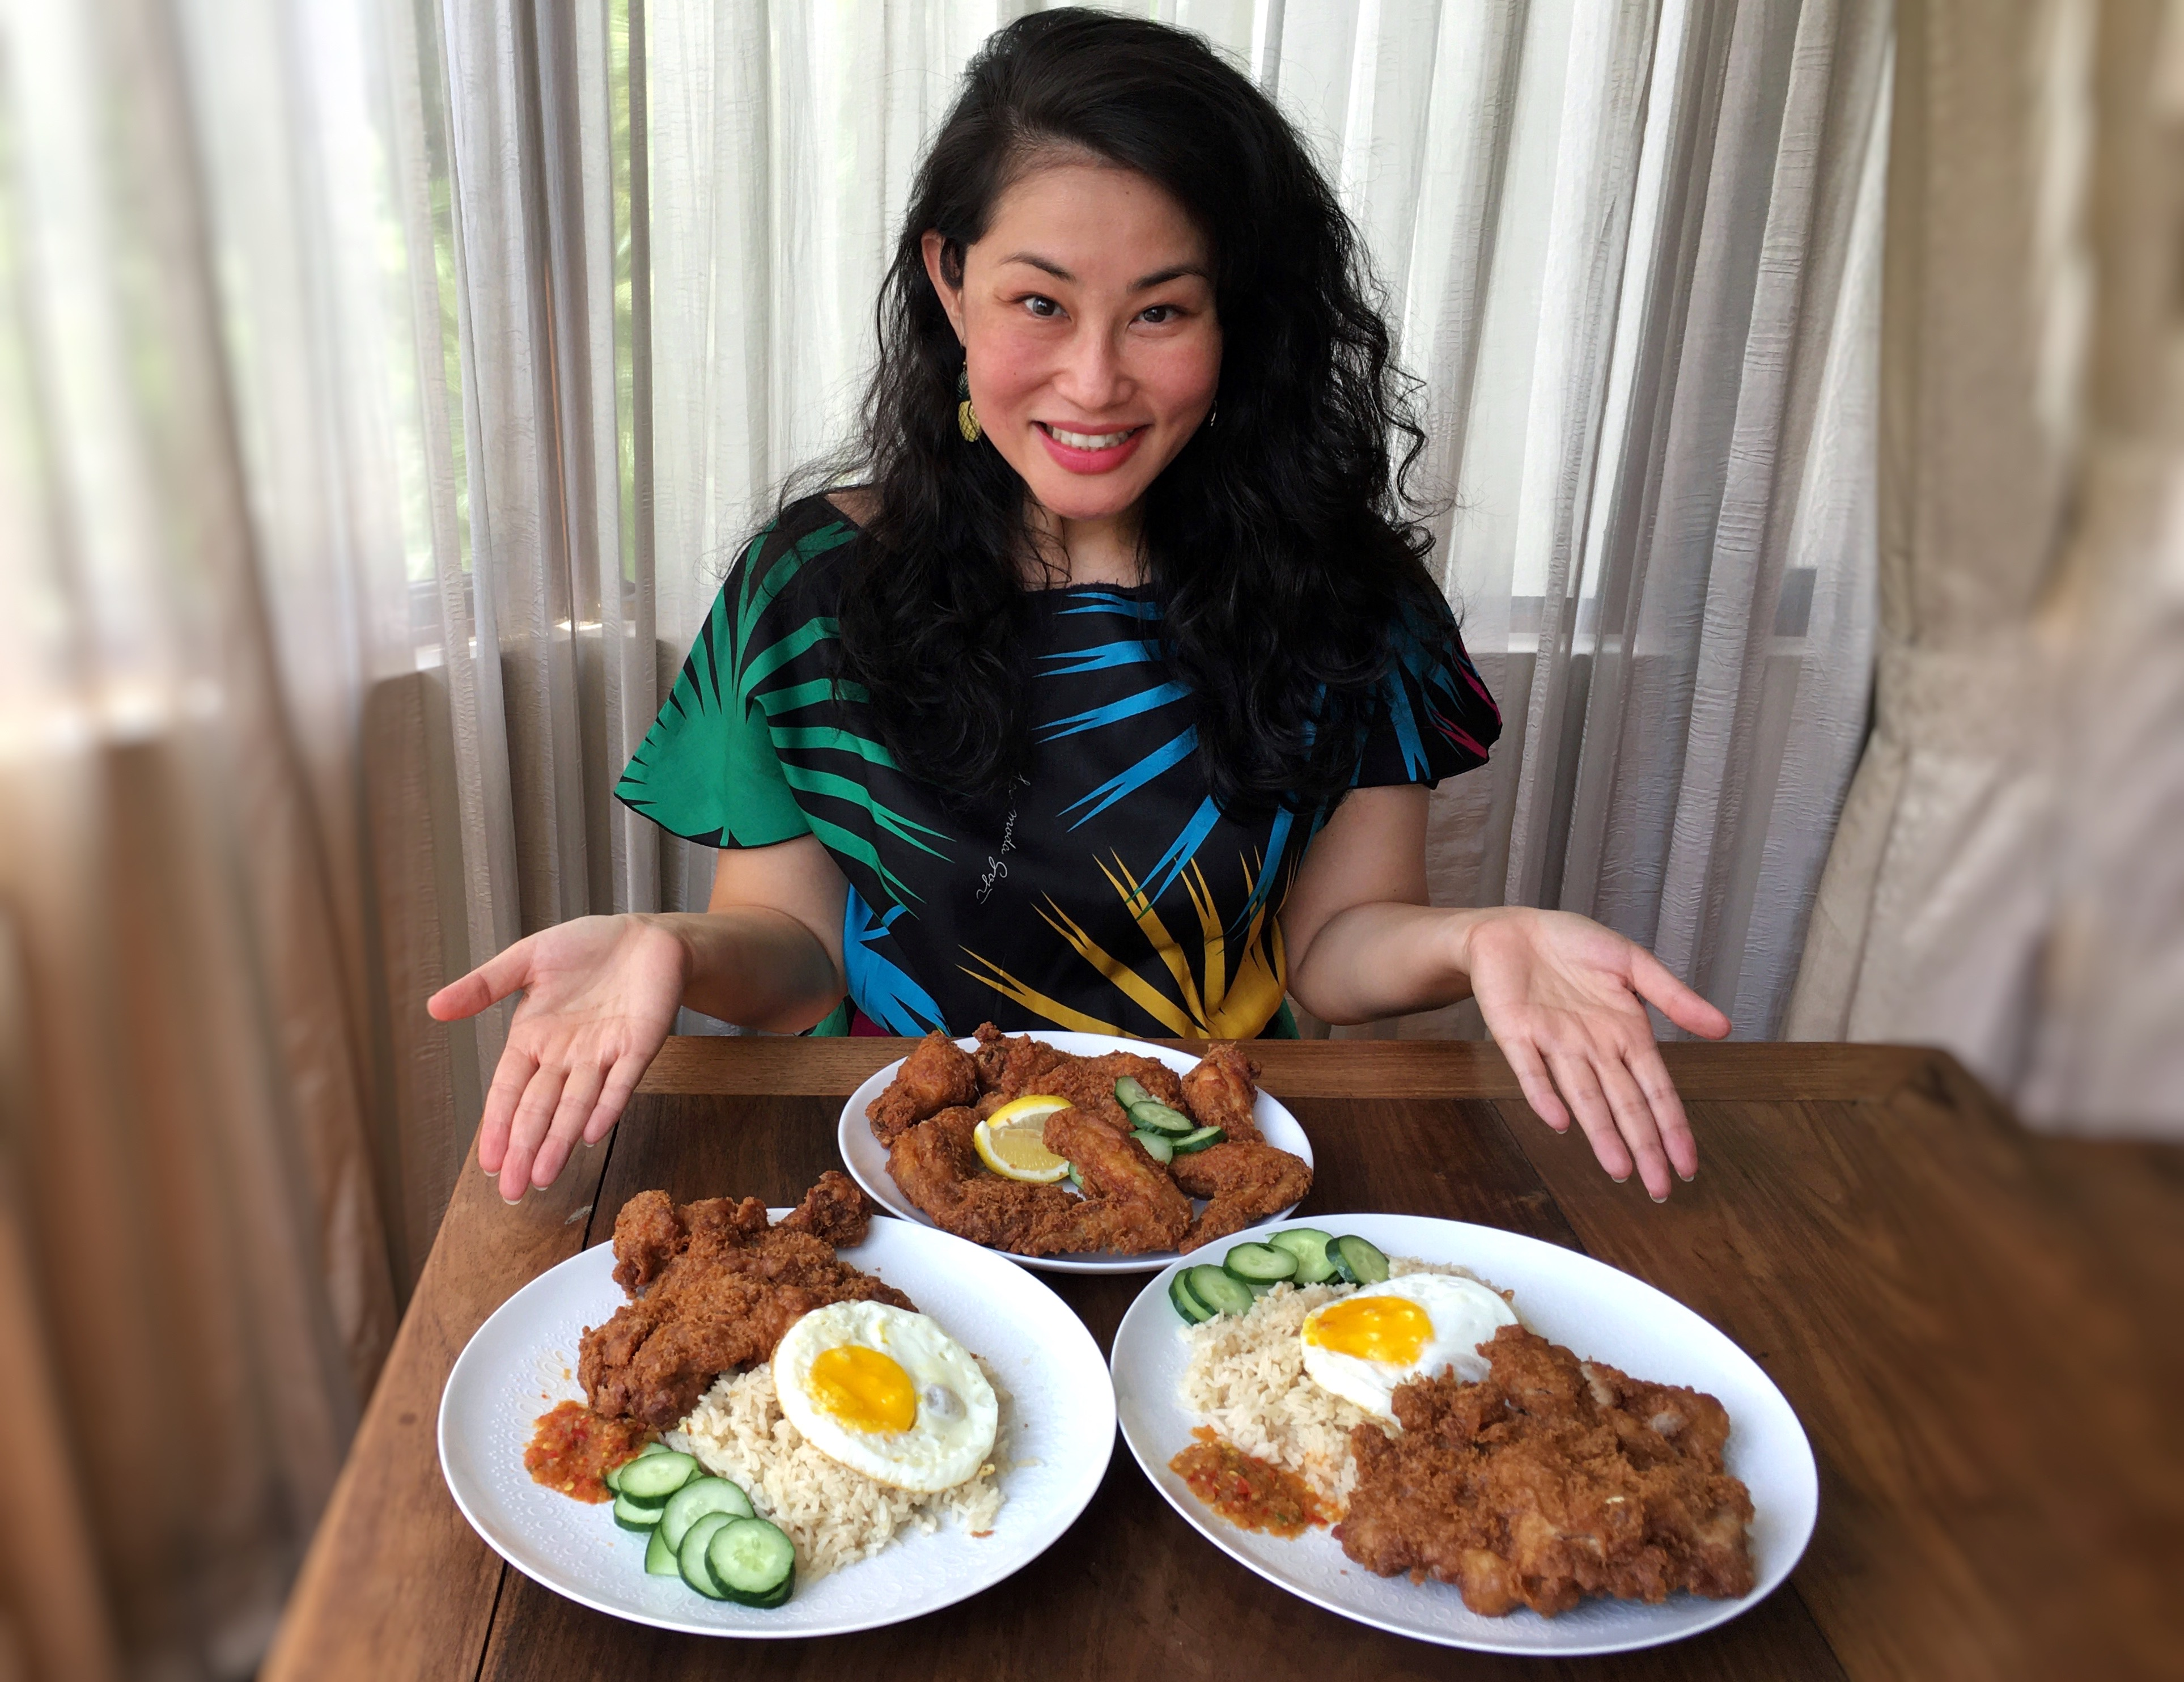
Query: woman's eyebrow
(1159, 277)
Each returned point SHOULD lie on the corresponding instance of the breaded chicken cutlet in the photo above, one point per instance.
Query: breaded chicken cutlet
(1550, 1480)
(715, 1285)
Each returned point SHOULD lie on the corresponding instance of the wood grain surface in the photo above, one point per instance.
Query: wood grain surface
(1982, 1371)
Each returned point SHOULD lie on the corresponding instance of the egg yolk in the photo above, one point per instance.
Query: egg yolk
(863, 1389)
(1389, 1328)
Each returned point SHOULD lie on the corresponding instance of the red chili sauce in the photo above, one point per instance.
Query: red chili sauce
(1244, 1489)
(574, 1449)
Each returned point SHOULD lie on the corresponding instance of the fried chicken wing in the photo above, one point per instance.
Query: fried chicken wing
(1012, 1066)
(1130, 1195)
(1552, 1480)
(720, 1286)
(1011, 1062)
(937, 1075)
(1221, 1090)
(939, 1170)
(1244, 1183)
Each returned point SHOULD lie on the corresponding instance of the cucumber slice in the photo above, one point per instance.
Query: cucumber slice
(1128, 1092)
(1158, 1145)
(753, 1563)
(690, 1557)
(1198, 1138)
(654, 1477)
(613, 1480)
(697, 1498)
(659, 1557)
(1309, 1245)
(1259, 1263)
(1220, 1290)
(1178, 1293)
(1158, 1117)
(1357, 1261)
(637, 1515)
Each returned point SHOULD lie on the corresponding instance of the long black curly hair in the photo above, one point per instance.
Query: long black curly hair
(1280, 545)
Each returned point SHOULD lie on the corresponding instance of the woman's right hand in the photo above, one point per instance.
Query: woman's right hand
(599, 997)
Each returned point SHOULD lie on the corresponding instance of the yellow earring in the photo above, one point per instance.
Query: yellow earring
(967, 418)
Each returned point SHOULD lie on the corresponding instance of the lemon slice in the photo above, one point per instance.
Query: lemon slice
(1009, 1141)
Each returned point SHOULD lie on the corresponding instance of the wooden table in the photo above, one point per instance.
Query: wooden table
(1977, 1329)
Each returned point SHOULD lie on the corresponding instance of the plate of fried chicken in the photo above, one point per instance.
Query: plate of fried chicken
(907, 1136)
(1619, 1474)
(637, 1331)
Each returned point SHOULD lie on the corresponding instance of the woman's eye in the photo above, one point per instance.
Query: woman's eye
(1159, 315)
(1044, 308)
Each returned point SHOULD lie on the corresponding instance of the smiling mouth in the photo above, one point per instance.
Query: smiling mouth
(1087, 440)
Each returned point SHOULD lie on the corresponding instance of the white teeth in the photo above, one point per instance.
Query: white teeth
(1090, 440)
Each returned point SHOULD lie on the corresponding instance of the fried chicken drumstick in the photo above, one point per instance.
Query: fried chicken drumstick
(720, 1285)
(1552, 1480)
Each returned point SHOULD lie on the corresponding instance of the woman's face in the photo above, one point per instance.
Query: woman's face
(1086, 314)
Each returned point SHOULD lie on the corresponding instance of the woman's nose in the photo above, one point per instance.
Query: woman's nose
(1093, 376)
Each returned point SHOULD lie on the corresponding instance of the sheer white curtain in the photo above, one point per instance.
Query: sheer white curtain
(1632, 249)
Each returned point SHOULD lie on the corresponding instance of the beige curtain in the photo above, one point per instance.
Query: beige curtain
(2005, 881)
(195, 1269)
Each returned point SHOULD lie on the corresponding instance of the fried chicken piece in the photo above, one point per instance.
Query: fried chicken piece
(1552, 1480)
(939, 1170)
(1011, 1062)
(1244, 1183)
(647, 1235)
(835, 1212)
(1013, 1065)
(1126, 1191)
(937, 1075)
(1220, 1091)
(720, 1285)
(650, 1231)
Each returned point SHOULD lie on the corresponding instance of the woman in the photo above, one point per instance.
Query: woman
(1112, 699)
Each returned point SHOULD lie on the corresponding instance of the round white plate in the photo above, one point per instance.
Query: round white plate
(868, 1158)
(1602, 1313)
(1058, 1433)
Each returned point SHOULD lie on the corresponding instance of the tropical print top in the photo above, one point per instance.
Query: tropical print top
(1114, 898)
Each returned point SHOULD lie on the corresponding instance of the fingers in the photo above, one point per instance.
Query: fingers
(534, 1114)
(614, 1098)
(1539, 1091)
(509, 1079)
(578, 1094)
(1659, 987)
(1652, 1075)
(489, 983)
(1581, 1087)
(1633, 1119)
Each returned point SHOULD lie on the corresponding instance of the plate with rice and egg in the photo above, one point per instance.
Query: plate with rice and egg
(1464, 1435)
(902, 1420)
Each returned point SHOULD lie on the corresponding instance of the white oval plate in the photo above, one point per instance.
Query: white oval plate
(1058, 1433)
(867, 1158)
(1602, 1313)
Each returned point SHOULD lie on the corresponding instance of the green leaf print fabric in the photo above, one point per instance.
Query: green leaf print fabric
(1114, 897)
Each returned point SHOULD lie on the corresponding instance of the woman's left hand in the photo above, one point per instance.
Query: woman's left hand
(1565, 999)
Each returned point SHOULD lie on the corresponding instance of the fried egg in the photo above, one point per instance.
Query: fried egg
(1361, 1346)
(886, 1393)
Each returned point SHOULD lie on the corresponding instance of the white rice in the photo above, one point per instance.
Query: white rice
(835, 1515)
(1245, 1378)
